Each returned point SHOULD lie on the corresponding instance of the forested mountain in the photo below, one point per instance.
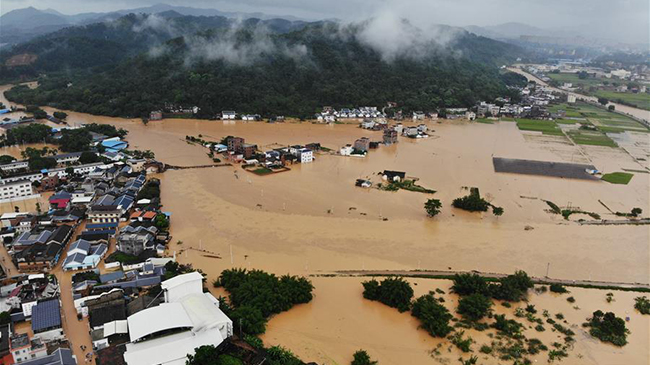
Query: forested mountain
(126, 68)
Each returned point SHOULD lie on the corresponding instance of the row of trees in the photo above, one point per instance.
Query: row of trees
(255, 295)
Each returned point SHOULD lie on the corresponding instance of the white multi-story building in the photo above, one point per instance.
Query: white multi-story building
(16, 189)
(305, 155)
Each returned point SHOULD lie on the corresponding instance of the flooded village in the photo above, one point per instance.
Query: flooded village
(110, 246)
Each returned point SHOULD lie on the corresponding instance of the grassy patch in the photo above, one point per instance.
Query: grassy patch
(484, 120)
(640, 100)
(545, 126)
(409, 185)
(262, 171)
(618, 178)
(591, 138)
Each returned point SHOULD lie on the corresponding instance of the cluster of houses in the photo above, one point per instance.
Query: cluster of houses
(330, 115)
(34, 299)
(90, 211)
(236, 149)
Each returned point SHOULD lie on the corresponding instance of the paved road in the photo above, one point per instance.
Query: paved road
(624, 109)
(440, 273)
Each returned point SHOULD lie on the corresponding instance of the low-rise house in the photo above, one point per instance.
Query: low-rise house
(346, 150)
(393, 176)
(143, 216)
(24, 349)
(228, 115)
(305, 155)
(418, 115)
(390, 136)
(134, 240)
(84, 255)
(362, 144)
(104, 214)
(156, 115)
(60, 356)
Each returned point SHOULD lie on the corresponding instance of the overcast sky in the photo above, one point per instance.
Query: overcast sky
(616, 19)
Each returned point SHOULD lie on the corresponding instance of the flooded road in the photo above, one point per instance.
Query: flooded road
(312, 220)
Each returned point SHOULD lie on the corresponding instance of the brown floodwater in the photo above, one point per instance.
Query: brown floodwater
(313, 220)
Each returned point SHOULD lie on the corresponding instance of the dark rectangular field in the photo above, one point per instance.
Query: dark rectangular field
(543, 168)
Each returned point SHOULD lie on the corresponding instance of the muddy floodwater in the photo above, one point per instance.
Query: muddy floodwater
(313, 220)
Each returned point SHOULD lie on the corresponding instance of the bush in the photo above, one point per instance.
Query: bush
(467, 284)
(642, 304)
(474, 307)
(472, 202)
(361, 357)
(558, 288)
(608, 328)
(508, 327)
(433, 316)
(394, 292)
(464, 344)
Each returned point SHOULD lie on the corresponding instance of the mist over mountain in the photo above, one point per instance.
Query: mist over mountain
(138, 63)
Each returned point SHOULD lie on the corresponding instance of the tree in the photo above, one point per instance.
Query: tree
(497, 211)
(204, 355)
(394, 292)
(603, 101)
(472, 202)
(69, 170)
(5, 159)
(40, 114)
(636, 211)
(433, 316)
(432, 207)
(361, 357)
(60, 115)
(512, 288)
(642, 304)
(582, 75)
(88, 157)
(468, 284)
(474, 307)
(611, 108)
(5, 318)
(161, 222)
(255, 295)
(75, 140)
(41, 163)
(608, 328)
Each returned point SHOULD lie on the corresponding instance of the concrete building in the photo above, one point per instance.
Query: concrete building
(16, 190)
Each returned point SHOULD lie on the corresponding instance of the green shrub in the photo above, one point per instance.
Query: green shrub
(608, 328)
(433, 316)
(558, 288)
(361, 357)
(642, 304)
(468, 284)
(474, 307)
(394, 292)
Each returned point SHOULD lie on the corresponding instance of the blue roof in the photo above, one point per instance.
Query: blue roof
(103, 231)
(111, 276)
(4, 111)
(101, 225)
(62, 356)
(46, 314)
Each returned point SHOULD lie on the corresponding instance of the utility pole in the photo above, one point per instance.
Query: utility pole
(231, 260)
(548, 266)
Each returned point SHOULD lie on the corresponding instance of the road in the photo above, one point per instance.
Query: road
(446, 274)
(6, 262)
(623, 109)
